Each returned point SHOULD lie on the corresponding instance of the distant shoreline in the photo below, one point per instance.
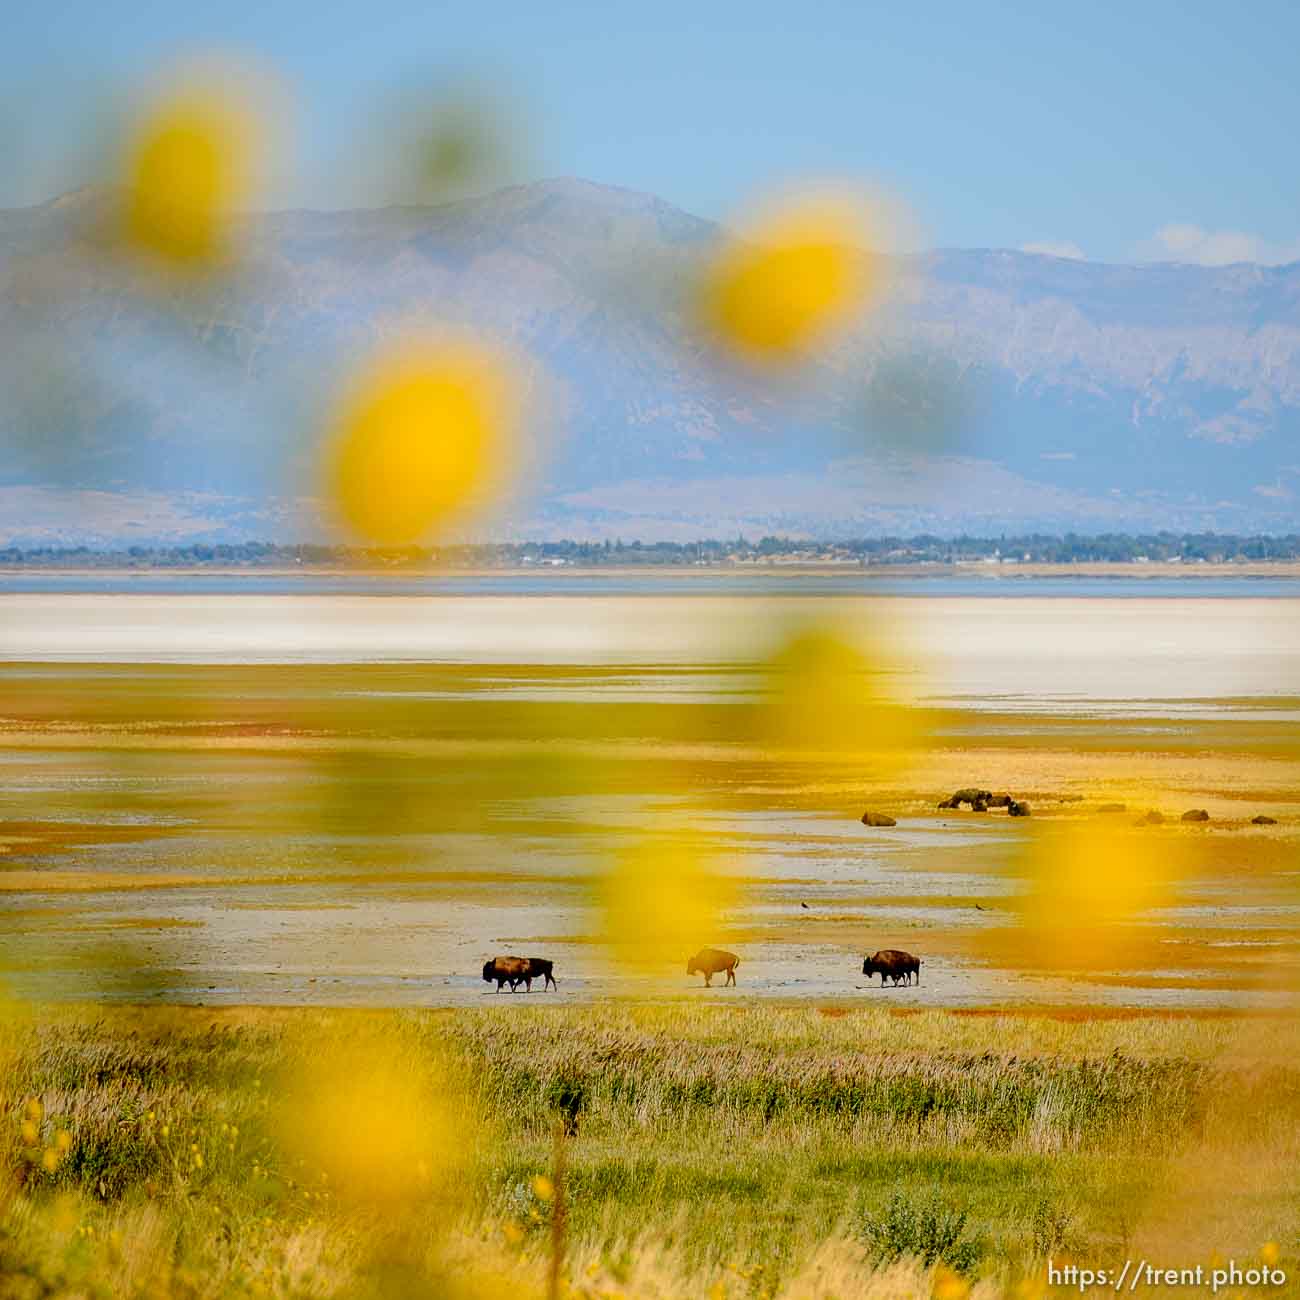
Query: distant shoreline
(739, 570)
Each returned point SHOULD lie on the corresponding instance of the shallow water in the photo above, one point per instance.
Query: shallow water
(976, 581)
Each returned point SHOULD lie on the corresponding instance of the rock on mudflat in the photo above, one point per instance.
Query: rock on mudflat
(1261, 820)
(877, 819)
(1196, 815)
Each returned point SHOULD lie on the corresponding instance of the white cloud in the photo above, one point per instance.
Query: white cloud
(1184, 242)
(1066, 248)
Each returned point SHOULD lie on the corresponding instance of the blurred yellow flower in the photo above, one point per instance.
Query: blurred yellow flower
(33, 1110)
(659, 902)
(1270, 1253)
(424, 436)
(949, 1285)
(788, 282)
(1031, 1288)
(543, 1188)
(50, 1159)
(62, 1141)
(373, 1125)
(30, 1131)
(1090, 887)
(192, 164)
(823, 693)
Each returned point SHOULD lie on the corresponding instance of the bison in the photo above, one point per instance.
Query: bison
(891, 963)
(520, 970)
(710, 961)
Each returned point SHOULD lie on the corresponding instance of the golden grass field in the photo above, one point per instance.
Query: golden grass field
(710, 1151)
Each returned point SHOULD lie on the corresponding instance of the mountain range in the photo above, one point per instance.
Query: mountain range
(991, 391)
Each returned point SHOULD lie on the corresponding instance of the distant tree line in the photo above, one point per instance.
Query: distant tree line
(1040, 548)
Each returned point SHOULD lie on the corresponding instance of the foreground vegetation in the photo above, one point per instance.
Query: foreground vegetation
(718, 1152)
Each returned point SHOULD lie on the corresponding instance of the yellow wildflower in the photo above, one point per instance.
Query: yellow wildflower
(423, 437)
(788, 282)
(192, 164)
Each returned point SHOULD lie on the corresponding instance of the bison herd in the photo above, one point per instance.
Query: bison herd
(888, 963)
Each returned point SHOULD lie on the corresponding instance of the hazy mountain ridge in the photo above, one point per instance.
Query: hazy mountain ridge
(1080, 395)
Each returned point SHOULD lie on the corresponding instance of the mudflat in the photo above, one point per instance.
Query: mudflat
(352, 831)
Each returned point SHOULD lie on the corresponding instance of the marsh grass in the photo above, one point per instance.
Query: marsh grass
(706, 1147)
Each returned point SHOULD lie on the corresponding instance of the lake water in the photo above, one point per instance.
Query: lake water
(853, 582)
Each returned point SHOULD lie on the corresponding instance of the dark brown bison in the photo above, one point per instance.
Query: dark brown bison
(710, 961)
(892, 963)
(520, 970)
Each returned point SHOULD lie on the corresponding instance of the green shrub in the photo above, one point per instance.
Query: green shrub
(927, 1230)
(1050, 1228)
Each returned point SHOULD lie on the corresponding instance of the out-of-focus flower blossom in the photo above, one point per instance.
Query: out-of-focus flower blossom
(1089, 888)
(786, 284)
(449, 144)
(826, 693)
(659, 902)
(194, 160)
(374, 1124)
(424, 437)
(949, 1285)
(918, 400)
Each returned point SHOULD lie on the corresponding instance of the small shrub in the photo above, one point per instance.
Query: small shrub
(528, 1211)
(1050, 1227)
(928, 1230)
(568, 1098)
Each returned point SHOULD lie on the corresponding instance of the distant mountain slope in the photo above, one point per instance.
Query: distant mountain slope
(999, 390)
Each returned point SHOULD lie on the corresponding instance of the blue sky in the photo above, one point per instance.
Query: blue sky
(1122, 131)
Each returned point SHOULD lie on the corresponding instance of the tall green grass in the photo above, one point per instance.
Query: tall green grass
(744, 1139)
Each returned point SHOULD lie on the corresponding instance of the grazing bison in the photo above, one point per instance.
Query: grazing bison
(519, 970)
(710, 961)
(891, 963)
